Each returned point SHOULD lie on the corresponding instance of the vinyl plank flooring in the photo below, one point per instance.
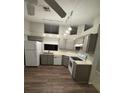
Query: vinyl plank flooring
(53, 79)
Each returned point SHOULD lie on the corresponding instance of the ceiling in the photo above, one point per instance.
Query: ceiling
(84, 12)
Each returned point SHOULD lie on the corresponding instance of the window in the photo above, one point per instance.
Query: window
(50, 47)
(87, 26)
(51, 29)
(74, 30)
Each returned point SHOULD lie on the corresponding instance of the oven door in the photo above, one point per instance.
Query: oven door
(70, 66)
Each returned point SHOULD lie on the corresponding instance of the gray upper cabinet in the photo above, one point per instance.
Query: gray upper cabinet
(92, 43)
(35, 38)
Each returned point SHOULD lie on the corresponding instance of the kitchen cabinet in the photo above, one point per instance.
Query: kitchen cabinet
(92, 43)
(50, 59)
(66, 44)
(35, 38)
(62, 43)
(81, 73)
(46, 59)
(69, 44)
(79, 40)
(57, 60)
(65, 60)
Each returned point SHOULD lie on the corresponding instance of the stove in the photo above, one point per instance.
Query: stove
(71, 62)
(76, 59)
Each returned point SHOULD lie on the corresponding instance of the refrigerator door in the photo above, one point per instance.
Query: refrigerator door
(38, 47)
(32, 53)
(31, 58)
(30, 45)
(38, 51)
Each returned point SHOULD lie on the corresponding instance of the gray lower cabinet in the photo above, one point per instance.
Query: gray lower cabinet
(65, 60)
(43, 59)
(46, 59)
(81, 73)
(50, 59)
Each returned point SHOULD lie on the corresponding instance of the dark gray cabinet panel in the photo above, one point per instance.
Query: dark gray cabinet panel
(46, 59)
(92, 43)
(81, 73)
(65, 60)
(35, 38)
(50, 59)
(43, 59)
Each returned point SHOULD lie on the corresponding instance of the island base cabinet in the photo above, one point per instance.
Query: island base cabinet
(81, 73)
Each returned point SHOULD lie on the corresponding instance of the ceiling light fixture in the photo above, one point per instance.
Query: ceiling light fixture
(70, 28)
(67, 32)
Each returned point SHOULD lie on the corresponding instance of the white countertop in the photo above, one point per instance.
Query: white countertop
(72, 53)
(87, 62)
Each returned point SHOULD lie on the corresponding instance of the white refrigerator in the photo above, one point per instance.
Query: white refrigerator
(32, 53)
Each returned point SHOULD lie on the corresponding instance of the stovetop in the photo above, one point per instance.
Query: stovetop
(76, 58)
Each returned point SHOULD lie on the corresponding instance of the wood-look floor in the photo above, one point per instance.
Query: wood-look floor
(53, 79)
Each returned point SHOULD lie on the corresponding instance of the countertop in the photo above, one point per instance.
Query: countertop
(87, 62)
(73, 53)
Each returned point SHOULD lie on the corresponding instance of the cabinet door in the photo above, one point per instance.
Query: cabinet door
(62, 43)
(65, 60)
(50, 59)
(31, 58)
(92, 43)
(57, 60)
(69, 44)
(43, 59)
(81, 73)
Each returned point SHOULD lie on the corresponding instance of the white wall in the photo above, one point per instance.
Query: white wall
(48, 40)
(36, 29)
(26, 29)
(62, 30)
(80, 29)
(95, 74)
(85, 43)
